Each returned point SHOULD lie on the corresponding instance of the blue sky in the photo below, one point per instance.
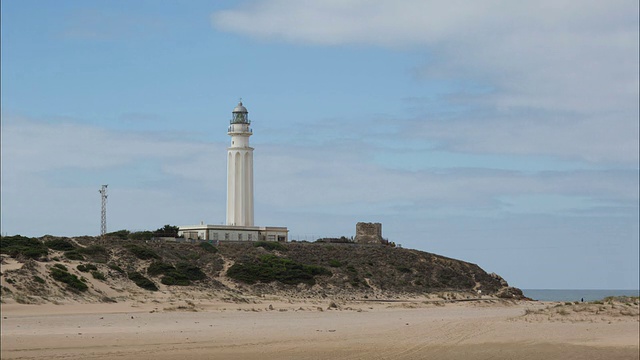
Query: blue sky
(501, 133)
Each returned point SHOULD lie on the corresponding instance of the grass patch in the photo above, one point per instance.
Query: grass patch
(270, 245)
(268, 268)
(335, 263)
(142, 281)
(23, 246)
(72, 281)
(38, 279)
(142, 252)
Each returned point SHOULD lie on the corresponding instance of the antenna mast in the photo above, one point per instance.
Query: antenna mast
(103, 225)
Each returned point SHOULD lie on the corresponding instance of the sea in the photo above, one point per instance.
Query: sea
(575, 295)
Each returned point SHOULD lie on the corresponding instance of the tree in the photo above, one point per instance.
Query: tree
(166, 231)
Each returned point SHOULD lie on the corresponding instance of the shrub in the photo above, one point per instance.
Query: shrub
(116, 268)
(60, 266)
(403, 269)
(141, 252)
(86, 267)
(167, 231)
(38, 279)
(181, 274)
(22, 246)
(141, 235)
(208, 247)
(173, 280)
(59, 244)
(120, 234)
(270, 245)
(268, 268)
(335, 263)
(191, 272)
(158, 268)
(72, 281)
(142, 281)
(95, 251)
(73, 255)
(97, 275)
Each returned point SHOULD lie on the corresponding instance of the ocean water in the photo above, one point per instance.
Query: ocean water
(575, 295)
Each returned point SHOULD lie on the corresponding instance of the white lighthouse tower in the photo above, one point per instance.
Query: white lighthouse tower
(239, 226)
(240, 170)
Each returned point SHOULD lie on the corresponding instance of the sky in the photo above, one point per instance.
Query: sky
(497, 132)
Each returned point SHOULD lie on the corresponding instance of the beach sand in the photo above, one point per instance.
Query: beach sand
(282, 329)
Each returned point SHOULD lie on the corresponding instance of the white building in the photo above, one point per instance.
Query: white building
(239, 226)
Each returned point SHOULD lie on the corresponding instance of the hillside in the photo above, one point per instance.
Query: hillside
(87, 269)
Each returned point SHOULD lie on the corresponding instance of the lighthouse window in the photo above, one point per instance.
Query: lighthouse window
(226, 236)
(240, 237)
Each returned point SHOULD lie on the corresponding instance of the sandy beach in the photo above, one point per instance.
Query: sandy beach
(313, 330)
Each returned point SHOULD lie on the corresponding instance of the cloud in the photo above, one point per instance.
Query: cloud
(52, 171)
(572, 64)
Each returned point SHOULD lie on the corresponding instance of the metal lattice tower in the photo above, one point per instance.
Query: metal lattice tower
(103, 225)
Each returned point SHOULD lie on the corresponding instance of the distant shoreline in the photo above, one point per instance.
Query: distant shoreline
(576, 294)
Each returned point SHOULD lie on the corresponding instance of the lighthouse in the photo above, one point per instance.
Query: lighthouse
(239, 225)
(240, 169)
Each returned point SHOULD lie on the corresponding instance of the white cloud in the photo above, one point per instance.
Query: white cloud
(577, 61)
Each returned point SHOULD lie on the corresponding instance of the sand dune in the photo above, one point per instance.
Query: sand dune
(280, 329)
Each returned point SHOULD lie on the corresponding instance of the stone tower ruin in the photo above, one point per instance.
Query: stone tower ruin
(369, 233)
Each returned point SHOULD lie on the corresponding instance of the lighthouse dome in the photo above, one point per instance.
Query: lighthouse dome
(240, 108)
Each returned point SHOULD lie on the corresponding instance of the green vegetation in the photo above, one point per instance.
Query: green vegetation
(97, 252)
(115, 267)
(22, 246)
(59, 244)
(141, 252)
(86, 267)
(98, 275)
(335, 263)
(208, 247)
(72, 281)
(181, 274)
(73, 255)
(141, 235)
(120, 234)
(142, 281)
(403, 269)
(158, 268)
(166, 231)
(38, 279)
(60, 266)
(270, 245)
(268, 268)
